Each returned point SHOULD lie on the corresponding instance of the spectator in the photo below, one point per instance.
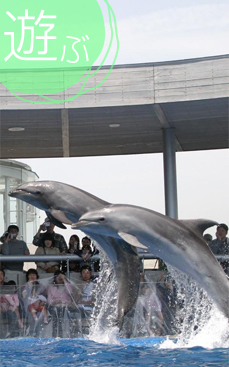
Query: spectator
(34, 299)
(2, 240)
(2, 277)
(59, 298)
(9, 306)
(48, 227)
(13, 246)
(86, 253)
(208, 238)
(2, 286)
(87, 300)
(73, 244)
(148, 310)
(59, 293)
(220, 246)
(48, 248)
(13, 301)
(37, 303)
(86, 241)
(74, 250)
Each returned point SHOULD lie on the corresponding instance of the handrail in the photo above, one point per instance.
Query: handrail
(34, 258)
(68, 258)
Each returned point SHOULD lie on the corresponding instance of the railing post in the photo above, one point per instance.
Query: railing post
(68, 271)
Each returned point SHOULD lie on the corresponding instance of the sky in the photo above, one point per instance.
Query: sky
(151, 31)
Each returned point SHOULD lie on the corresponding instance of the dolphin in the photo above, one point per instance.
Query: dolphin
(179, 243)
(66, 204)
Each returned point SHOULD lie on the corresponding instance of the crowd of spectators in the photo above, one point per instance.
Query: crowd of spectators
(34, 303)
(41, 308)
(48, 242)
(29, 308)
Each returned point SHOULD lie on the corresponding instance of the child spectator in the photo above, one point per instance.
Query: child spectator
(34, 296)
(37, 303)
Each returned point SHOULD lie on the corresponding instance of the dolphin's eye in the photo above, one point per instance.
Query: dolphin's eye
(101, 219)
(37, 192)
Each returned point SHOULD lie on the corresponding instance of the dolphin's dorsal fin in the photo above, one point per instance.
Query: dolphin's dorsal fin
(132, 240)
(55, 221)
(199, 225)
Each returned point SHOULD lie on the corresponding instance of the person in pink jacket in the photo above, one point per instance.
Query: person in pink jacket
(59, 298)
(12, 302)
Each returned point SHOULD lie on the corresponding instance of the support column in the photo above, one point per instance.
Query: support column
(170, 180)
(65, 132)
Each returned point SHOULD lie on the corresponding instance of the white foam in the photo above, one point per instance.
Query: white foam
(214, 334)
(109, 336)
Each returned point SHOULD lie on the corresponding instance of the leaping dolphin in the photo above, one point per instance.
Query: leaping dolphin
(178, 242)
(66, 204)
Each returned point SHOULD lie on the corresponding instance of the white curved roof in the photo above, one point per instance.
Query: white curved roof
(188, 95)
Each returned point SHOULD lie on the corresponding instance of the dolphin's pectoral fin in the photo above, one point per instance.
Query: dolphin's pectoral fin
(199, 225)
(55, 221)
(125, 246)
(132, 240)
(60, 216)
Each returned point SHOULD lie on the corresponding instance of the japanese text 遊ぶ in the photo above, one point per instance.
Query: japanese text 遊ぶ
(29, 25)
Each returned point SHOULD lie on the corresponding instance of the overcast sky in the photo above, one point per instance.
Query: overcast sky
(158, 31)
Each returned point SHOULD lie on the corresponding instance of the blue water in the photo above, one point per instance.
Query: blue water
(28, 352)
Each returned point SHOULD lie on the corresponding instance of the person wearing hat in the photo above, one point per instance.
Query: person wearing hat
(48, 229)
(220, 246)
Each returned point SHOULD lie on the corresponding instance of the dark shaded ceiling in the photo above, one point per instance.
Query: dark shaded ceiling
(199, 125)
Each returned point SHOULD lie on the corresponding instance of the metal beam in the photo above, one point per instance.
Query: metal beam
(65, 132)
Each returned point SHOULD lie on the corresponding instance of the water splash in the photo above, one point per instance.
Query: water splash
(199, 321)
(104, 315)
(214, 334)
(108, 336)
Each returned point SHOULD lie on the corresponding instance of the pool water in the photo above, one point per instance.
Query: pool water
(202, 341)
(28, 352)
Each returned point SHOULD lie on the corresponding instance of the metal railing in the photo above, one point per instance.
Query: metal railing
(67, 258)
(44, 258)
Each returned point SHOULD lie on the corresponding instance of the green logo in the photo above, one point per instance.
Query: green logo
(48, 46)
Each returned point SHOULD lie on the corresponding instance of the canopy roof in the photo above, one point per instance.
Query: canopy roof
(126, 114)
